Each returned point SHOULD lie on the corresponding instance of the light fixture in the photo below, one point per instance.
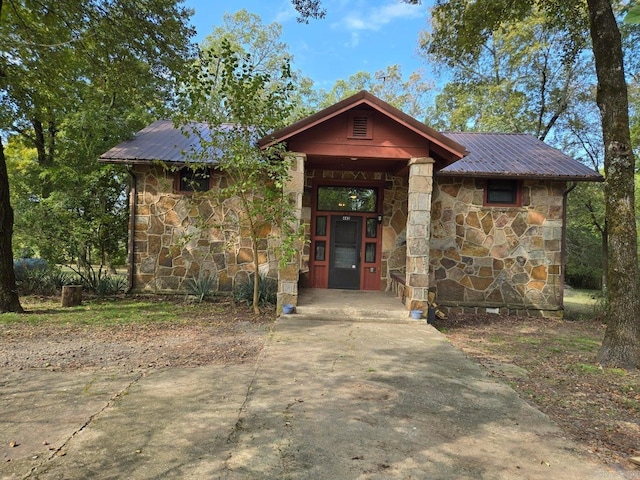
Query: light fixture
(353, 159)
(380, 218)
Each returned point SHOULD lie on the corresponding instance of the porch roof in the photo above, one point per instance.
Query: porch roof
(516, 156)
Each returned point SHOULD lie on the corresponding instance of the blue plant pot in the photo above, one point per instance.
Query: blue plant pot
(288, 308)
(416, 314)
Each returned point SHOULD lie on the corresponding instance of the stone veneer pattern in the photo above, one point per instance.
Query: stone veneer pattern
(176, 240)
(504, 257)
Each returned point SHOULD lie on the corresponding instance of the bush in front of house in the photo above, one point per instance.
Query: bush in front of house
(267, 291)
(34, 276)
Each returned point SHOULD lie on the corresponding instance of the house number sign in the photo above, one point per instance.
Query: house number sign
(346, 218)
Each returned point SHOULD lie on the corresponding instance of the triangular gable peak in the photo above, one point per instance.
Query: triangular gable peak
(363, 132)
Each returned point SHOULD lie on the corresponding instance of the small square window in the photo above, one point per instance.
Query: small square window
(190, 180)
(502, 192)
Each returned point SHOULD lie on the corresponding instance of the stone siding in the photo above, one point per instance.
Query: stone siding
(177, 238)
(504, 258)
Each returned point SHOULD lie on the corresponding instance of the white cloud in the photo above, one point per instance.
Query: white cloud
(380, 16)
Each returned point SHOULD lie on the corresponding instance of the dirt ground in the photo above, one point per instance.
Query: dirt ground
(552, 364)
(228, 335)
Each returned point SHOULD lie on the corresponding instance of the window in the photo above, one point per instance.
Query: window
(347, 199)
(190, 180)
(502, 192)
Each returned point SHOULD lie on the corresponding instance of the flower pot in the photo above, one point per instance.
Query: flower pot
(288, 308)
(416, 314)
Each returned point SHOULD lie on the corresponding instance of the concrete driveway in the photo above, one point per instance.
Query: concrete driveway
(325, 400)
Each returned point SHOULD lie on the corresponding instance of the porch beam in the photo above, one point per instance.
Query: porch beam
(418, 231)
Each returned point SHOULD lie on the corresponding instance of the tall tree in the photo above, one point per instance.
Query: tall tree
(60, 59)
(249, 106)
(621, 344)
(389, 85)
(265, 53)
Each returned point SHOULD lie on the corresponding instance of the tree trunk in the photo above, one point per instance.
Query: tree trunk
(9, 301)
(256, 276)
(621, 344)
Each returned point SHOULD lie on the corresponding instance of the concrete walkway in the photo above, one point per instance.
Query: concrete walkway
(328, 398)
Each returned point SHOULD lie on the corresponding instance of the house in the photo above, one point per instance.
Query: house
(390, 204)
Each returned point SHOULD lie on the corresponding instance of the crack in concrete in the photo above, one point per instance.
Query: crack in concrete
(109, 403)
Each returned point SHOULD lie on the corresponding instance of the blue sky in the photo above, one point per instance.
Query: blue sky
(356, 35)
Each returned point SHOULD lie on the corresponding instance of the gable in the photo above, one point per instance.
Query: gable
(363, 126)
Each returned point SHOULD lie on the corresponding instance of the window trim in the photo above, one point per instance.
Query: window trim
(516, 185)
(177, 181)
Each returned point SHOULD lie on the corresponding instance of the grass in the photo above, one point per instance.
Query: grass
(106, 312)
(581, 304)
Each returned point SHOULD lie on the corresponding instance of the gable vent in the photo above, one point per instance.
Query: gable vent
(360, 125)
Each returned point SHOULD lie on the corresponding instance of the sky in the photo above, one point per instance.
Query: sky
(355, 35)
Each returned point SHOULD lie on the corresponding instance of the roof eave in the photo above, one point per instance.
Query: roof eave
(531, 176)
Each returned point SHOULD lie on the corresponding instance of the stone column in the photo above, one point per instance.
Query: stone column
(418, 231)
(289, 274)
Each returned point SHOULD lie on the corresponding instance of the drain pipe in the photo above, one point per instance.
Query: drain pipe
(563, 244)
(133, 194)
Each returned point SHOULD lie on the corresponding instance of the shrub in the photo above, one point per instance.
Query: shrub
(267, 291)
(203, 286)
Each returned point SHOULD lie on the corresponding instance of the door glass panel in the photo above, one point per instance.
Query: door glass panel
(347, 232)
(347, 199)
(370, 253)
(320, 251)
(372, 227)
(345, 257)
(321, 226)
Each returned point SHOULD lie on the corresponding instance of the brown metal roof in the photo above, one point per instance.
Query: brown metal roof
(490, 154)
(159, 141)
(516, 156)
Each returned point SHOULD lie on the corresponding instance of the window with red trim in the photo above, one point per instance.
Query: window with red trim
(504, 192)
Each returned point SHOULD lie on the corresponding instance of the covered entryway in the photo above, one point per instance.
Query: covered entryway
(346, 236)
(361, 178)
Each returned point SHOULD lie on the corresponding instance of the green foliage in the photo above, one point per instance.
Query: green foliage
(255, 103)
(202, 287)
(34, 276)
(77, 78)
(267, 291)
(525, 76)
(388, 85)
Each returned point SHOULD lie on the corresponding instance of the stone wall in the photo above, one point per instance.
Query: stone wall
(505, 258)
(181, 237)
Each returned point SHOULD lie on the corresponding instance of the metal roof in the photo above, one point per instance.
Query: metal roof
(515, 155)
(160, 141)
(489, 154)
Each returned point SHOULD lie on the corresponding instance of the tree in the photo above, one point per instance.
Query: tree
(621, 344)
(523, 78)
(265, 53)
(256, 104)
(389, 85)
(67, 72)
